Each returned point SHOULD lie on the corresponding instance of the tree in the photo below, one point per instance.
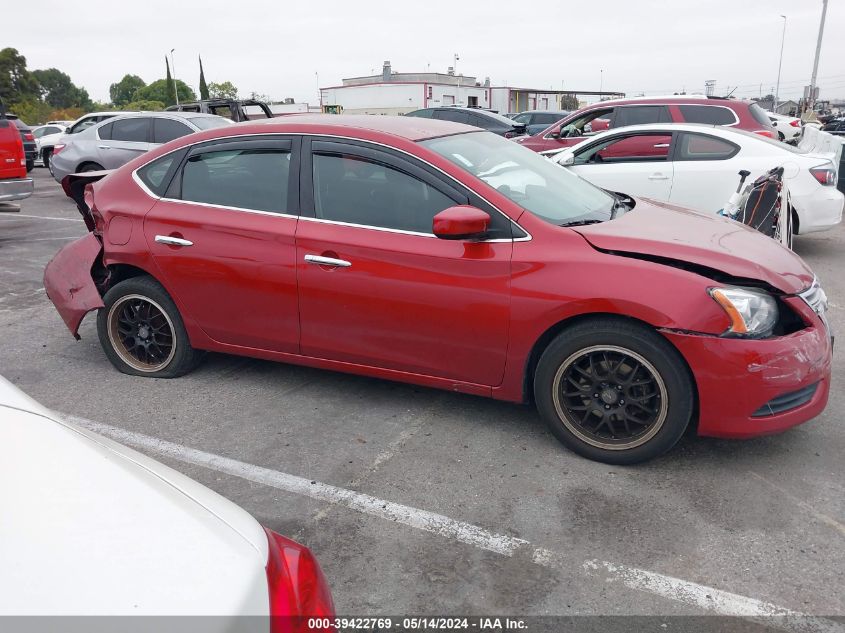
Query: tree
(162, 90)
(150, 106)
(568, 102)
(16, 82)
(122, 92)
(32, 111)
(203, 86)
(59, 91)
(222, 90)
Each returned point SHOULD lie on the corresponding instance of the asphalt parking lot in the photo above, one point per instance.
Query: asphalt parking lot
(458, 505)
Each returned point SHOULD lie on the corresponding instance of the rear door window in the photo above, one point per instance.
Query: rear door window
(165, 130)
(640, 115)
(133, 130)
(254, 176)
(712, 115)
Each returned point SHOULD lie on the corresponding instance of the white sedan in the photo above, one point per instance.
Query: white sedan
(789, 128)
(91, 527)
(697, 166)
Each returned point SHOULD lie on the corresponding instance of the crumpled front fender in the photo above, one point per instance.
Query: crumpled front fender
(68, 281)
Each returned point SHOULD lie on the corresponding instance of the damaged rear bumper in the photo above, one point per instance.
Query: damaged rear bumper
(69, 283)
(749, 388)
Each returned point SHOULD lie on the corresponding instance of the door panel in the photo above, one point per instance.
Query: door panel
(646, 179)
(706, 171)
(405, 302)
(237, 279)
(400, 298)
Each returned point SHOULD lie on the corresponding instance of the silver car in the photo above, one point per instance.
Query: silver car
(114, 142)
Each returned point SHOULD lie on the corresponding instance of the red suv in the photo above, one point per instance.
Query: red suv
(598, 117)
(14, 184)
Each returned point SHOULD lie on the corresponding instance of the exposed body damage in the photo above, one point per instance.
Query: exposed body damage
(69, 283)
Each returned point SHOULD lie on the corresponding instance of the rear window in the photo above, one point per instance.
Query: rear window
(760, 115)
(704, 147)
(157, 174)
(165, 130)
(712, 115)
(210, 122)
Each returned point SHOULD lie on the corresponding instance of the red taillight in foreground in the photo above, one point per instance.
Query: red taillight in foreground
(58, 148)
(298, 589)
(825, 175)
(795, 122)
(766, 133)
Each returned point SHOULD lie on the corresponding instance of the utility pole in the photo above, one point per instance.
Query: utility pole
(812, 97)
(780, 63)
(175, 85)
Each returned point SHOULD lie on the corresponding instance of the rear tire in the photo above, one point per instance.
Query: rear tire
(614, 391)
(46, 154)
(30, 164)
(142, 333)
(89, 167)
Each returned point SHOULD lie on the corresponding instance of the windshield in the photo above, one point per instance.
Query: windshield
(209, 122)
(545, 189)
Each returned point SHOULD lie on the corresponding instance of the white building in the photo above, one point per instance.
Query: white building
(398, 93)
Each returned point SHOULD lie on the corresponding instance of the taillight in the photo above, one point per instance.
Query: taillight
(509, 134)
(825, 175)
(795, 122)
(766, 133)
(58, 148)
(299, 593)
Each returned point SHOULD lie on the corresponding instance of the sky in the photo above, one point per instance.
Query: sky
(288, 49)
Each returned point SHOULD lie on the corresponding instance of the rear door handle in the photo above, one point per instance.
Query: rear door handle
(172, 241)
(662, 145)
(658, 176)
(327, 261)
(103, 147)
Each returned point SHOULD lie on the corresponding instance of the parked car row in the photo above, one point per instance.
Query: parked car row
(14, 182)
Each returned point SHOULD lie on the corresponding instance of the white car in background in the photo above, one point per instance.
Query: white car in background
(51, 132)
(697, 166)
(90, 527)
(789, 128)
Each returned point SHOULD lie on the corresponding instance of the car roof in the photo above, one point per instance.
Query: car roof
(545, 112)
(410, 128)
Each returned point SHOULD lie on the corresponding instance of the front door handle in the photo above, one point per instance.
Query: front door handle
(658, 177)
(172, 241)
(327, 261)
(103, 147)
(661, 145)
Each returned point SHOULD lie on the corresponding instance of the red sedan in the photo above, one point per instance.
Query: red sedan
(434, 253)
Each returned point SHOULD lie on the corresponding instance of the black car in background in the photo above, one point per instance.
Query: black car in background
(490, 121)
(538, 120)
(28, 139)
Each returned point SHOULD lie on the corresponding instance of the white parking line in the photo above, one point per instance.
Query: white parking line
(686, 592)
(40, 217)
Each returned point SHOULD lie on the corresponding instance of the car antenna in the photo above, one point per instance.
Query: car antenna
(727, 96)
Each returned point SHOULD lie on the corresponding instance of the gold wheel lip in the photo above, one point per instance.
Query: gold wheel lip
(118, 347)
(573, 427)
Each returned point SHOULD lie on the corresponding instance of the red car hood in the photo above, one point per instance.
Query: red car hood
(658, 229)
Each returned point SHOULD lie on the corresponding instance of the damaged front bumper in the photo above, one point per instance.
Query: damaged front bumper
(69, 282)
(749, 388)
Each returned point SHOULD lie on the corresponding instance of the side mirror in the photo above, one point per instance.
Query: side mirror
(461, 222)
(565, 159)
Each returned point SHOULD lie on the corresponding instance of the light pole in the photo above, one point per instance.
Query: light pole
(175, 85)
(812, 95)
(601, 80)
(780, 63)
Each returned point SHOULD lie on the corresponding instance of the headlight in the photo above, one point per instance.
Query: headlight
(753, 313)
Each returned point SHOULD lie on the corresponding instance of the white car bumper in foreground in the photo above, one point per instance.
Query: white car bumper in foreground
(820, 210)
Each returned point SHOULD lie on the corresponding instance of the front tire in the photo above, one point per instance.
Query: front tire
(614, 391)
(46, 154)
(142, 333)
